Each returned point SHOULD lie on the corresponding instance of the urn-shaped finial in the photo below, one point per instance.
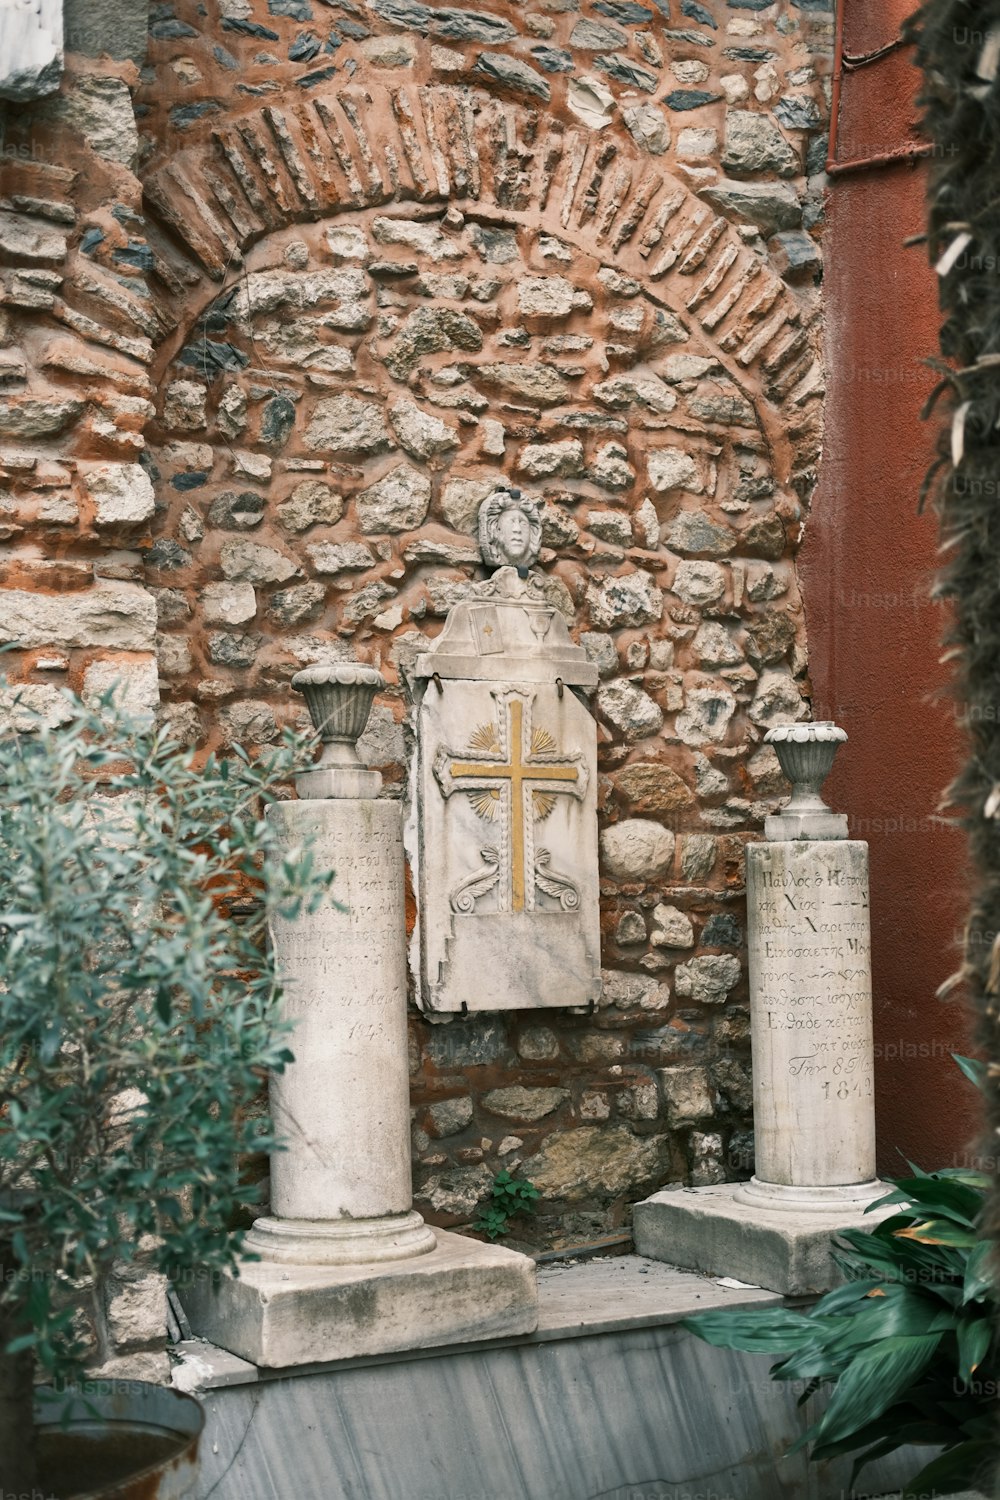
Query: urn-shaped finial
(806, 754)
(339, 696)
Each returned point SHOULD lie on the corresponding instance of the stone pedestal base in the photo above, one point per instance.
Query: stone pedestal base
(723, 1232)
(852, 1199)
(280, 1315)
(341, 1242)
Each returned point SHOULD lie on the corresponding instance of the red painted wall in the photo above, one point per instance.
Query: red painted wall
(874, 633)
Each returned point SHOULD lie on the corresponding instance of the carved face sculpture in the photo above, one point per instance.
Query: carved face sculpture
(514, 533)
(510, 530)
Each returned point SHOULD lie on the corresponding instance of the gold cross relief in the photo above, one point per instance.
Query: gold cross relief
(512, 773)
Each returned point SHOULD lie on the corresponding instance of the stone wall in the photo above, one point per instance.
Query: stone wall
(121, 1326)
(278, 310)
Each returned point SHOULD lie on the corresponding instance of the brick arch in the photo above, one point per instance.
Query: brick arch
(227, 207)
(367, 146)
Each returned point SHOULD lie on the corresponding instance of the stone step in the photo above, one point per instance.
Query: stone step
(609, 1399)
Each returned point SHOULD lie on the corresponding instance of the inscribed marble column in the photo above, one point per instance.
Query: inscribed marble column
(813, 1053)
(346, 1266)
(811, 1019)
(341, 1191)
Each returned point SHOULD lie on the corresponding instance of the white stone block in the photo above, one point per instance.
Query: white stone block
(710, 1229)
(134, 686)
(118, 615)
(122, 494)
(281, 1315)
(504, 837)
(31, 46)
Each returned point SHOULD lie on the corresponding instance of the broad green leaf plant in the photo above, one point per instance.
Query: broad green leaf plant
(510, 1196)
(908, 1344)
(138, 1005)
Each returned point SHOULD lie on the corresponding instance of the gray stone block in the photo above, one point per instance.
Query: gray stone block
(117, 27)
(706, 1229)
(769, 205)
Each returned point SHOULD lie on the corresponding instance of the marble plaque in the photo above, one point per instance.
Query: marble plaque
(504, 840)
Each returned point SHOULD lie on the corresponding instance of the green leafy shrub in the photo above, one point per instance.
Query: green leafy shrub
(137, 1006)
(510, 1197)
(908, 1343)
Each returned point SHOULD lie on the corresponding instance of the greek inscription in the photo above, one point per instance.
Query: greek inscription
(813, 981)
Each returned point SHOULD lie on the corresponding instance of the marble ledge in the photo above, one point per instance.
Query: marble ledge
(609, 1294)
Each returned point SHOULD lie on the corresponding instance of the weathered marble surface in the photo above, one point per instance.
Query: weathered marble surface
(811, 1018)
(31, 48)
(281, 1314)
(813, 1082)
(719, 1231)
(346, 1266)
(505, 831)
(343, 1105)
(806, 753)
(565, 1414)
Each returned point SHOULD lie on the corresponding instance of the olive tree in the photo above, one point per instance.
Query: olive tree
(138, 1018)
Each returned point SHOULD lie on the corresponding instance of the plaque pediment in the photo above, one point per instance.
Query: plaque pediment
(507, 617)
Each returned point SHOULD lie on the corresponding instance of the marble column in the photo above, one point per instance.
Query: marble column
(341, 1190)
(344, 1266)
(813, 1055)
(810, 994)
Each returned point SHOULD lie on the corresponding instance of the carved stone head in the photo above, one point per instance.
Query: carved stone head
(510, 530)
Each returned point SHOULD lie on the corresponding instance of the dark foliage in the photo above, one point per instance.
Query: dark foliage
(958, 48)
(907, 1345)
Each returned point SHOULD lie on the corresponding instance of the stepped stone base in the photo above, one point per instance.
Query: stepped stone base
(710, 1229)
(280, 1315)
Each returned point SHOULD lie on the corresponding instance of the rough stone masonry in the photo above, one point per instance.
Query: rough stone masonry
(284, 299)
